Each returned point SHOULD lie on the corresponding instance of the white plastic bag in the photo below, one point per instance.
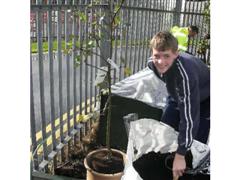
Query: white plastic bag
(148, 135)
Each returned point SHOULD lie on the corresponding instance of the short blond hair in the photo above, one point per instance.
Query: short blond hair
(163, 41)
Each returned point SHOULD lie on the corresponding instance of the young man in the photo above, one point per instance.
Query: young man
(182, 34)
(188, 84)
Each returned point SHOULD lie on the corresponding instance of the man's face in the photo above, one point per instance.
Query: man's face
(192, 33)
(163, 60)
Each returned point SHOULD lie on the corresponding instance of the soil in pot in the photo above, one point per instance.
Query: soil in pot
(101, 162)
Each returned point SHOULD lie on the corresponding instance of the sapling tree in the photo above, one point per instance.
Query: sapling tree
(101, 37)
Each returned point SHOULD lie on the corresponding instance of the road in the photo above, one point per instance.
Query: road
(86, 83)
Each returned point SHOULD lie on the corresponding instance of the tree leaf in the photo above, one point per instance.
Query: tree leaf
(82, 16)
(90, 43)
(116, 8)
(65, 51)
(117, 20)
(127, 71)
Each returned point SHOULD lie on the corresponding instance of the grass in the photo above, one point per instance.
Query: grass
(63, 43)
(45, 46)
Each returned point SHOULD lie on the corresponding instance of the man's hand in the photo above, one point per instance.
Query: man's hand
(179, 165)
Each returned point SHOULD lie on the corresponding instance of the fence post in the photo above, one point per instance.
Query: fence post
(177, 14)
(105, 36)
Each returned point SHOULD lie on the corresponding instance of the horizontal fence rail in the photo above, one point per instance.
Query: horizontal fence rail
(63, 91)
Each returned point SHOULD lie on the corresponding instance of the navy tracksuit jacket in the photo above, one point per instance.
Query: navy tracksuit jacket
(188, 104)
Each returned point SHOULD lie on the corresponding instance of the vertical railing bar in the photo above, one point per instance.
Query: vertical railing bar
(115, 53)
(144, 39)
(190, 23)
(162, 16)
(46, 27)
(96, 65)
(202, 27)
(195, 22)
(33, 126)
(86, 58)
(53, 24)
(168, 4)
(193, 47)
(43, 25)
(97, 62)
(181, 17)
(135, 42)
(196, 16)
(33, 26)
(151, 34)
(175, 15)
(118, 60)
(91, 62)
(185, 15)
(133, 22)
(68, 75)
(59, 56)
(167, 16)
(191, 16)
(81, 33)
(140, 59)
(41, 79)
(74, 30)
(116, 32)
(132, 16)
(121, 51)
(159, 15)
(52, 100)
(189, 10)
(202, 17)
(147, 33)
(126, 39)
(208, 50)
(81, 65)
(178, 14)
(156, 17)
(172, 14)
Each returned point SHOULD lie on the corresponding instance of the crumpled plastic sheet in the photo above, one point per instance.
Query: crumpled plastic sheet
(144, 86)
(148, 135)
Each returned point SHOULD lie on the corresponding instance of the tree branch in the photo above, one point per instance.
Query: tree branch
(115, 14)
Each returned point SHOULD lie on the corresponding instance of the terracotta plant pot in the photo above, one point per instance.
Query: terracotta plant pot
(90, 162)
